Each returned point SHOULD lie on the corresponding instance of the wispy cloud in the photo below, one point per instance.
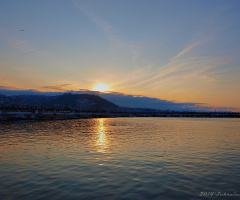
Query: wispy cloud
(17, 43)
(148, 77)
(175, 65)
(59, 88)
(98, 20)
(187, 49)
(185, 65)
(118, 45)
(23, 46)
(5, 87)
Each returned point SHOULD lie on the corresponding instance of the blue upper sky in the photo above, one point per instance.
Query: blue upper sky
(181, 51)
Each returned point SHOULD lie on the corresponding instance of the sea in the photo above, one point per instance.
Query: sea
(120, 158)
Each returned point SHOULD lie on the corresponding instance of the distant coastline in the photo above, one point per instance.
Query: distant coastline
(41, 114)
(84, 106)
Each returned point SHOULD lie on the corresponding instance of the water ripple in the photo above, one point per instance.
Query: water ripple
(121, 158)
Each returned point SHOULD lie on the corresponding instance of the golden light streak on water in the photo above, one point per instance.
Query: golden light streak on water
(102, 141)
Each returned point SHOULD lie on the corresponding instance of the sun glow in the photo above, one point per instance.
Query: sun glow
(101, 88)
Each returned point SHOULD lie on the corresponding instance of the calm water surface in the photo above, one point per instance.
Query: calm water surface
(120, 158)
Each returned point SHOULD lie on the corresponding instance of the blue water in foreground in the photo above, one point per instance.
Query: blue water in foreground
(120, 158)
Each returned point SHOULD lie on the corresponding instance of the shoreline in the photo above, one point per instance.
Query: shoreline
(38, 114)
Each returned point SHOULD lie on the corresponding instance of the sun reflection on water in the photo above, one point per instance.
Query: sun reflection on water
(102, 142)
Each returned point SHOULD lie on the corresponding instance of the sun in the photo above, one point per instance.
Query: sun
(101, 88)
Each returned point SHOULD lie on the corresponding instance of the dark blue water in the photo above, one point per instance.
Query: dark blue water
(120, 158)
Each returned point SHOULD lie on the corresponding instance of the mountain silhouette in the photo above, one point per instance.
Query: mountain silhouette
(66, 101)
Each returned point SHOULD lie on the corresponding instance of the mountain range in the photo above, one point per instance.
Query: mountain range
(76, 103)
(120, 99)
(66, 101)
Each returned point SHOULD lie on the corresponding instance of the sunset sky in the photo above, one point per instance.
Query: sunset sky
(174, 50)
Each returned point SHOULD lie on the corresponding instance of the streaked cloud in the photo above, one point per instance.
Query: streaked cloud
(23, 46)
(117, 44)
(16, 42)
(9, 88)
(187, 49)
(57, 88)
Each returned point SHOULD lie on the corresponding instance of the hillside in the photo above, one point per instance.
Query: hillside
(67, 101)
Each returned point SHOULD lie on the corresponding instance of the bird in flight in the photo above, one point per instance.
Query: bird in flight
(21, 30)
